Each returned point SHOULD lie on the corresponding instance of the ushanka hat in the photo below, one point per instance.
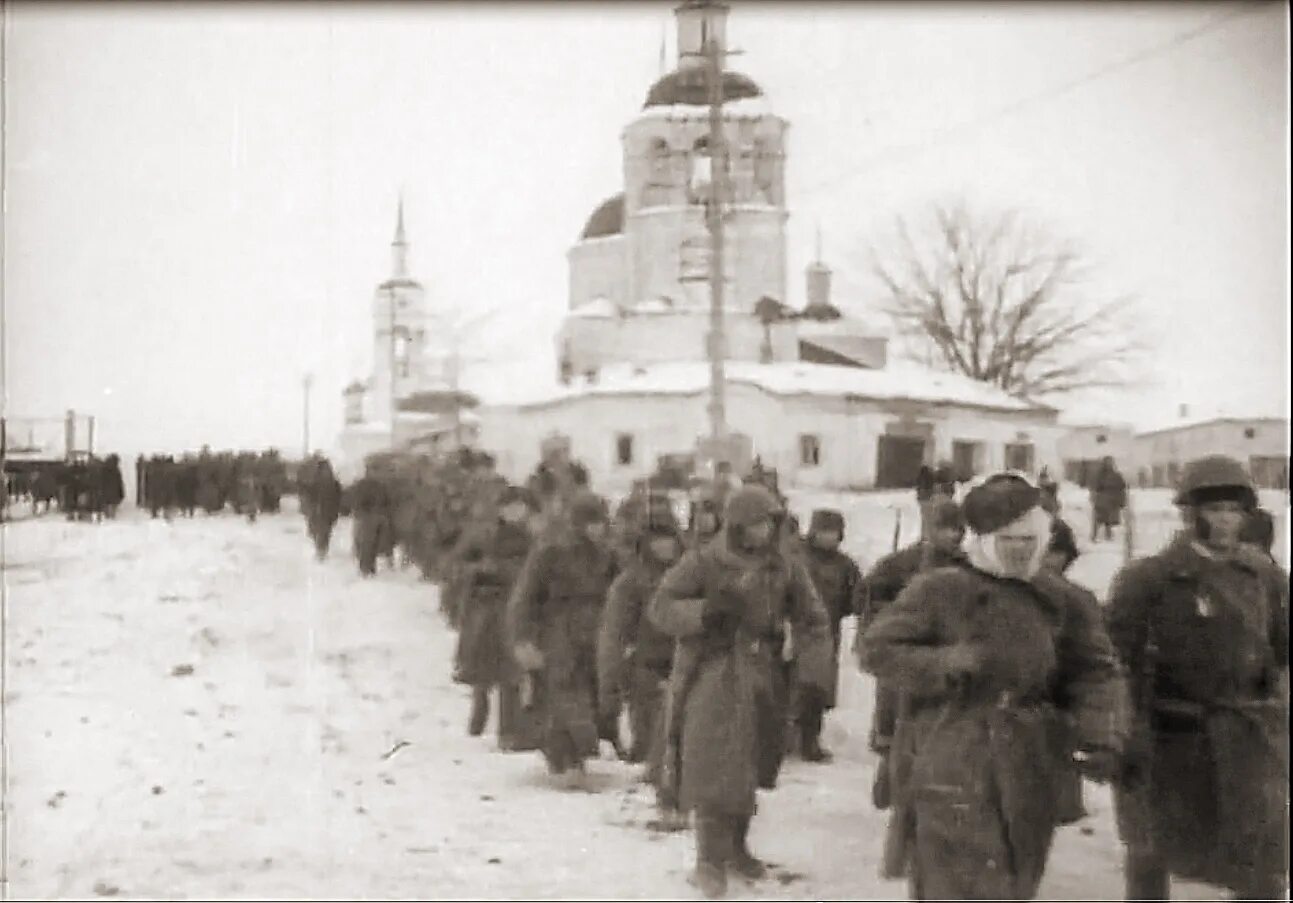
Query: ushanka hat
(826, 519)
(999, 500)
(588, 508)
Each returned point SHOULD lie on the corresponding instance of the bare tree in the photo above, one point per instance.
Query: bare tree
(1001, 299)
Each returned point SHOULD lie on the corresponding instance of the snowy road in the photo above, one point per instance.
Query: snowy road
(200, 710)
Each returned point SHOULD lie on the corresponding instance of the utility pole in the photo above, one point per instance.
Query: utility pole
(390, 308)
(714, 215)
(306, 382)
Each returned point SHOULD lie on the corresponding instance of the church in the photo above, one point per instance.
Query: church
(809, 391)
(410, 401)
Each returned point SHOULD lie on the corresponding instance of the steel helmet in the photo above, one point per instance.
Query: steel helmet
(1214, 472)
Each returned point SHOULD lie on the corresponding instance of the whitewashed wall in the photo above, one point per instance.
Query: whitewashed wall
(848, 431)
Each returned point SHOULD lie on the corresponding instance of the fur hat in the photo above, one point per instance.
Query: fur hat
(520, 494)
(948, 515)
(748, 505)
(826, 519)
(999, 500)
(588, 508)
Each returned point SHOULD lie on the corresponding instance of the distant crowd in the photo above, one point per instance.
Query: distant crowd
(246, 482)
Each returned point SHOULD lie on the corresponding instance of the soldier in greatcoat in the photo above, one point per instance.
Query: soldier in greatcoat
(323, 507)
(371, 507)
(727, 604)
(1202, 628)
(878, 589)
(552, 621)
(836, 577)
(491, 559)
(633, 657)
(1108, 492)
(1006, 685)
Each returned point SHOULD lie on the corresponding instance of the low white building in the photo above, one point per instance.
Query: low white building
(1261, 443)
(818, 425)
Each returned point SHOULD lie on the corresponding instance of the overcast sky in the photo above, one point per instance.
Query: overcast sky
(200, 200)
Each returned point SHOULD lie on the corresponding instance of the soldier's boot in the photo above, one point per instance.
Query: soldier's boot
(810, 733)
(881, 795)
(479, 711)
(713, 849)
(742, 860)
(1146, 878)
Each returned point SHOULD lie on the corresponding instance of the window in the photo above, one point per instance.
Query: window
(624, 449)
(1019, 456)
(1101, 439)
(1249, 433)
(810, 450)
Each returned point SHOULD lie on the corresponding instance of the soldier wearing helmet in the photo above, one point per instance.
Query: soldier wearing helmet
(1202, 629)
(727, 603)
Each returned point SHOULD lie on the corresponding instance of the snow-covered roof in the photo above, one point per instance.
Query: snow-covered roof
(898, 382)
(598, 308)
(654, 306)
(1181, 423)
(742, 107)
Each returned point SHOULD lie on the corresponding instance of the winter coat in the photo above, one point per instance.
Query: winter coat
(891, 574)
(726, 701)
(324, 494)
(557, 604)
(977, 764)
(836, 578)
(1204, 639)
(1108, 496)
(491, 561)
(627, 638)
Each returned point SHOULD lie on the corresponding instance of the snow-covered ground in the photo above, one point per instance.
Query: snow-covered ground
(198, 709)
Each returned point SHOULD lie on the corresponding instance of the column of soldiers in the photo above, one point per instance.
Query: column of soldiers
(1001, 683)
(85, 489)
(246, 482)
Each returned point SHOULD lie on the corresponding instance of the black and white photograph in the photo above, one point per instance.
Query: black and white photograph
(644, 450)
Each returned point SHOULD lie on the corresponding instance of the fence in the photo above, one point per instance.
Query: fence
(47, 438)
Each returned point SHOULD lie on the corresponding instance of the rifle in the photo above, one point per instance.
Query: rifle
(897, 528)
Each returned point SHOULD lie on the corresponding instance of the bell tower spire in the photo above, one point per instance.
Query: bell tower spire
(400, 246)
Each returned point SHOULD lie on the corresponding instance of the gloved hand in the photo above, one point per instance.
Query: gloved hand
(528, 656)
(961, 661)
(721, 613)
(1098, 763)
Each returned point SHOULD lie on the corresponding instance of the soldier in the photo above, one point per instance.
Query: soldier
(1108, 498)
(836, 578)
(370, 504)
(1060, 555)
(990, 657)
(886, 580)
(492, 558)
(727, 604)
(141, 468)
(1202, 628)
(552, 623)
(324, 505)
(704, 518)
(633, 658)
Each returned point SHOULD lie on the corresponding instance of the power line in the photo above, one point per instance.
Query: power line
(956, 130)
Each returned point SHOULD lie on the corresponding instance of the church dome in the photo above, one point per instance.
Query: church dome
(687, 86)
(607, 219)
